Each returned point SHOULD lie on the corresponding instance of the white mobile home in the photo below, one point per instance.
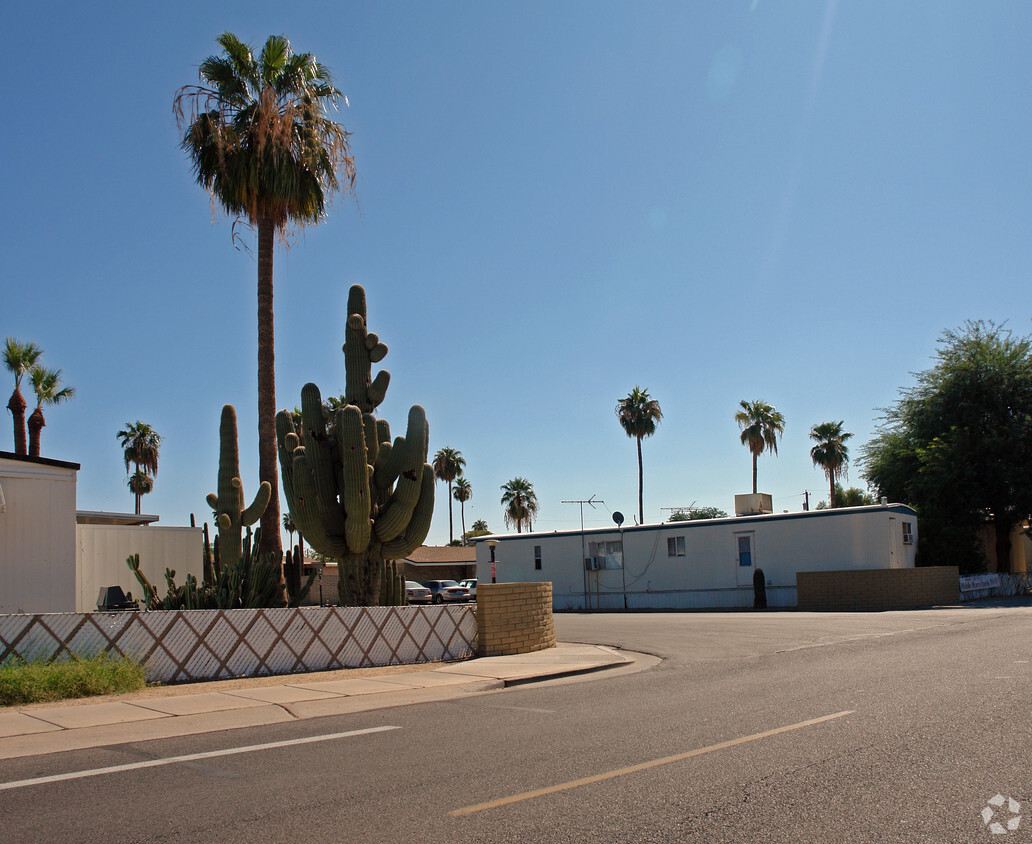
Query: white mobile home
(701, 564)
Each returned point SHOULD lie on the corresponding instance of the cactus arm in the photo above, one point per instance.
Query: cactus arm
(361, 350)
(358, 503)
(419, 523)
(321, 449)
(396, 515)
(308, 516)
(261, 501)
(213, 500)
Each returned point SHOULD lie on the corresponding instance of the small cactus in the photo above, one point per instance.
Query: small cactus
(230, 514)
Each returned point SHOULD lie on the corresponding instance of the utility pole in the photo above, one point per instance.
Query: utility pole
(591, 503)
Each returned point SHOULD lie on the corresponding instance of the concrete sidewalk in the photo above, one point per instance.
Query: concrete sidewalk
(168, 711)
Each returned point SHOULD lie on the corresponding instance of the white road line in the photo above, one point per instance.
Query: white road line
(190, 757)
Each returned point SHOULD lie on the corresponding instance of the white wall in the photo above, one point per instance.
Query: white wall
(37, 536)
(102, 551)
(708, 575)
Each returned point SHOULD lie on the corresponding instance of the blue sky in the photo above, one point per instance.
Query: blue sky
(556, 202)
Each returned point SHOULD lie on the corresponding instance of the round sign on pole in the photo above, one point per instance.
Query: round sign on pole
(618, 518)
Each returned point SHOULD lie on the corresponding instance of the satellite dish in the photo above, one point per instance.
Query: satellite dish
(618, 518)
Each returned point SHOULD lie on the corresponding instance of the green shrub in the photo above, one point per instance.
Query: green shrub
(38, 680)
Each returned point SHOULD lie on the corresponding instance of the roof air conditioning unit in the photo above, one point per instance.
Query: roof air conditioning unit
(754, 504)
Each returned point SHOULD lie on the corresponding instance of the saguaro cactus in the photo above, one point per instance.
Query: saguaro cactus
(354, 494)
(230, 514)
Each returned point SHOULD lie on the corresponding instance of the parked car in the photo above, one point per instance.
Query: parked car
(417, 593)
(447, 590)
(471, 585)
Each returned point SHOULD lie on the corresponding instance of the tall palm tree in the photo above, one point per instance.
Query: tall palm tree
(289, 527)
(19, 358)
(46, 384)
(761, 425)
(830, 453)
(258, 134)
(520, 503)
(463, 493)
(479, 524)
(448, 465)
(141, 444)
(140, 483)
(639, 414)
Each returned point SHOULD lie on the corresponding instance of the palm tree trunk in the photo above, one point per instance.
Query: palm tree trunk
(641, 478)
(831, 495)
(754, 473)
(451, 531)
(36, 425)
(17, 407)
(462, 510)
(271, 542)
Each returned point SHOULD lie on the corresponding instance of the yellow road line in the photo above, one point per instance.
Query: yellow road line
(643, 766)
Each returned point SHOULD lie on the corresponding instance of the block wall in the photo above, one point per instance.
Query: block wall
(514, 618)
(874, 590)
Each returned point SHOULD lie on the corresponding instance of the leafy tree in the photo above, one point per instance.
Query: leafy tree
(141, 444)
(639, 414)
(520, 504)
(463, 493)
(19, 358)
(761, 424)
(958, 444)
(695, 514)
(852, 497)
(830, 453)
(258, 134)
(448, 465)
(46, 384)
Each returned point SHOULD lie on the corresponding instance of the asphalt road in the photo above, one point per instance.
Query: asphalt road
(774, 727)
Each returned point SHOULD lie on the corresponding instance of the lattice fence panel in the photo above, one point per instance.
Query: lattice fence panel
(192, 645)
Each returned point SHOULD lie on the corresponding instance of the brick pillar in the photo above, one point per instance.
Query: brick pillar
(514, 618)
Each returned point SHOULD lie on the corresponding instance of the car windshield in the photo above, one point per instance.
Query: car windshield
(449, 583)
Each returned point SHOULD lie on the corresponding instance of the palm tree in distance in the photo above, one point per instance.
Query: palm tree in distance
(761, 425)
(639, 414)
(258, 135)
(289, 527)
(520, 503)
(463, 493)
(448, 465)
(140, 484)
(830, 453)
(46, 384)
(479, 524)
(19, 358)
(141, 444)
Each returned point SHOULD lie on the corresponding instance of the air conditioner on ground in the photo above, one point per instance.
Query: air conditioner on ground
(592, 563)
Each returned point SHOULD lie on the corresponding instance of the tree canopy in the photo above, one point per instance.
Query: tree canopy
(761, 424)
(957, 445)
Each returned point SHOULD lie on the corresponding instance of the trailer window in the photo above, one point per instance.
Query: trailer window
(908, 533)
(675, 546)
